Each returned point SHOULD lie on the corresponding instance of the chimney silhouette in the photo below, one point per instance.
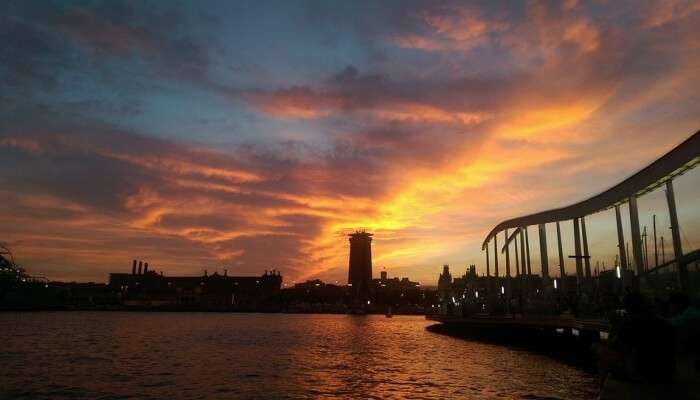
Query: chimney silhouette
(225, 272)
(140, 265)
(145, 268)
(133, 268)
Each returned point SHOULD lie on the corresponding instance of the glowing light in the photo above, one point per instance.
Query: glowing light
(503, 290)
(555, 284)
(618, 272)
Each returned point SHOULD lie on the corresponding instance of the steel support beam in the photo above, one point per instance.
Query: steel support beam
(577, 254)
(507, 248)
(523, 269)
(656, 245)
(523, 261)
(508, 285)
(586, 255)
(620, 239)
(544, 261)
(527, 249)
(562, 270)
(488, 267)
(495, 255)
(676, 235)
(636, 236)
(488, 273)
(517, 258)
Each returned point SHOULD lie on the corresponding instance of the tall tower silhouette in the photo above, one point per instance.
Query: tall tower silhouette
(360, 271)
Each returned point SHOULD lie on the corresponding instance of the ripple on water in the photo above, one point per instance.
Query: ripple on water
(202, 355)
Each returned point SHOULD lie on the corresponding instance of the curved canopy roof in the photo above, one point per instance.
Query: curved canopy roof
(680, 159)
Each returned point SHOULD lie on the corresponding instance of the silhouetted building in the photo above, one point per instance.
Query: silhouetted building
(469, 282)
(396, 292)
(360, 268)
(144, 287)
(445, 283)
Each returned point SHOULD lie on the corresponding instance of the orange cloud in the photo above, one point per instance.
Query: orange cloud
(449, 28)
(506, 115)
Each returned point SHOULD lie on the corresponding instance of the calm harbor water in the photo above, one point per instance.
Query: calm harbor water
(264, 356)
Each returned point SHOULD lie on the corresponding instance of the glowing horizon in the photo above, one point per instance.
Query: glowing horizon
(256, 135)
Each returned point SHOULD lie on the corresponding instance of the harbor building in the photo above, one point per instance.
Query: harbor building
(145, 287)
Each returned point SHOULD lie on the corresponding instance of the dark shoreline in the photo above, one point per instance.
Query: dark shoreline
(572, 350)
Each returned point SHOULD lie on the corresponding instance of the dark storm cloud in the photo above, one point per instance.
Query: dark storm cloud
(28, 56)
(48, 38)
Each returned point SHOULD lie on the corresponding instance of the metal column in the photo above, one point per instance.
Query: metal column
(507, 254)
(523, 269)
(587, 258)
(636, 236)
(544, 261)
(577, 254)
(523, 262)
(495, 255)
(488, 268)
(517, 257)
(656, 245)
(508, 283)
(676, 235)
(488, 273)
(527, 249)
(621, 239)
(562, 271)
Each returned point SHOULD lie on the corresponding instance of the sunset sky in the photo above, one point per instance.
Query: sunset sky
(256, 135)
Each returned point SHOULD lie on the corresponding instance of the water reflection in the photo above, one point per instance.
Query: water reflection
(203, 355)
